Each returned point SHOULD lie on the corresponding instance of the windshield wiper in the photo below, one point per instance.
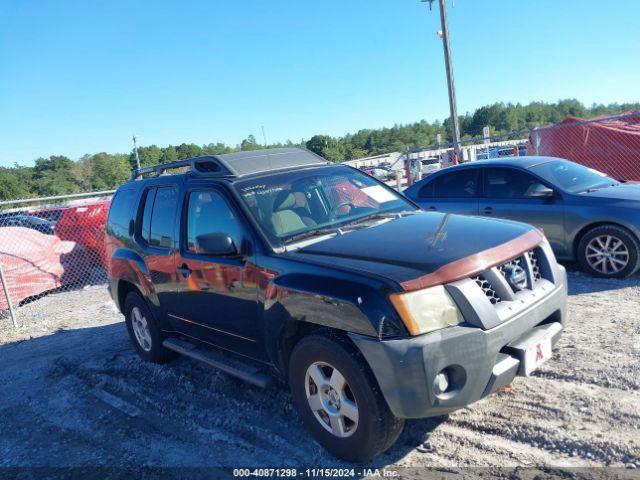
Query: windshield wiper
(595, 189)
(316, 232)
(378, 216)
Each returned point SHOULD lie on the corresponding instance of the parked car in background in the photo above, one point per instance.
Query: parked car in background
(51, 214)
(585, 215)
(496, 152)
(28, 221)
(424, 167)
(382, 174)
(372, 310)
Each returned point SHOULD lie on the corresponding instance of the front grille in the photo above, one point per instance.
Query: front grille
(525, 272)
(535, 267)
(506, 267)
(488, 290)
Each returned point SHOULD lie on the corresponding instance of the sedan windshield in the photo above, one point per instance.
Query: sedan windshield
(294, 205)
(572, 177)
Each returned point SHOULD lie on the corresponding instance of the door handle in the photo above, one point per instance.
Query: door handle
(488, 210)
(184, 270)
(432, 208)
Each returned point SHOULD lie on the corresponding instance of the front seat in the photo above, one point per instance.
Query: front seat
(289, 214)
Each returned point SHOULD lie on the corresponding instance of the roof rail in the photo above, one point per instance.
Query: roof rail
(160, 169)
(199, 165)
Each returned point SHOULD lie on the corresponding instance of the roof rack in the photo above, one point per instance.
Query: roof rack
(239, 163)
(199, 165)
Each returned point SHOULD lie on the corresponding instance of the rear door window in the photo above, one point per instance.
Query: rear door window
(460, 184)
(159, 216)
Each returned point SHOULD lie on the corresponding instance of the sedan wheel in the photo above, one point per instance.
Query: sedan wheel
(609, 251)
(607, 254)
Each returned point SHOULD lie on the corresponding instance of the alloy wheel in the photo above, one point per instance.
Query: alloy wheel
(331, 399)
(141, 329)
(607, 254)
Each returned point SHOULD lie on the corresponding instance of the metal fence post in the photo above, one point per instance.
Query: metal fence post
(8, 297)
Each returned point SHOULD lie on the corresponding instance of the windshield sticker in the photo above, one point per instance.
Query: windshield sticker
(379, 194)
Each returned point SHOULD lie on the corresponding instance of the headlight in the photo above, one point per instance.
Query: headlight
(426, 310)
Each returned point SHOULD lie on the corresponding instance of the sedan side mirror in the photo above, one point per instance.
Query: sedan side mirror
(542, 192)
(217, 243)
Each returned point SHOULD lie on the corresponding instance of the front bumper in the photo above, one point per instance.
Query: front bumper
(478, 361)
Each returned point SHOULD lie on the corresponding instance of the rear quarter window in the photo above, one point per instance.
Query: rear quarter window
(121, 212)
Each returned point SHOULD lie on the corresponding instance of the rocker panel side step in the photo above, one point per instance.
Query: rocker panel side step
(236, 368)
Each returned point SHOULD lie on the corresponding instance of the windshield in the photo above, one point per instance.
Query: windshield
(290, 204)
(572, 177)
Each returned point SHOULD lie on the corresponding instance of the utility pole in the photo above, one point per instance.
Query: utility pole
(444, 34)
(135, 149)
(264, 136)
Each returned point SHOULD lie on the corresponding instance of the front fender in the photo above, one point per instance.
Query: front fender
(340, 304)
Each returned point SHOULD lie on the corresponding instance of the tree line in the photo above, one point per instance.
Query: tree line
(59, 175)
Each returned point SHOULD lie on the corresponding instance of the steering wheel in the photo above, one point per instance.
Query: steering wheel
(334, 210)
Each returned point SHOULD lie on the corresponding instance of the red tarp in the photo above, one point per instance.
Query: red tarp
(34, 263)
(85, 225)
(610, 145)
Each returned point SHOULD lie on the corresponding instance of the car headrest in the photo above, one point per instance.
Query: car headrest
(284, 201)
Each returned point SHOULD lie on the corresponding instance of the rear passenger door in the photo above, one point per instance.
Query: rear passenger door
(217, 300)
(156, 234)
(452, 192)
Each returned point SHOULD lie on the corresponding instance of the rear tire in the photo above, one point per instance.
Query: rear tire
(353, 421)
(143, 329)
(609, 251)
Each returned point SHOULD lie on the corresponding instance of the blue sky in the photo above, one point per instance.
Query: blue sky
(80, 77)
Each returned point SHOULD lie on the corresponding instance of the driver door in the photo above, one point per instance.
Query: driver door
(217, 294)
(515, 194)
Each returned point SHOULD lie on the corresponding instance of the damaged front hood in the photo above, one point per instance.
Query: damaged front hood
(425, 244)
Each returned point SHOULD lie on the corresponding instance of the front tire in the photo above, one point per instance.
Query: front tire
(609, 251)
(339, 400)
(144, 332)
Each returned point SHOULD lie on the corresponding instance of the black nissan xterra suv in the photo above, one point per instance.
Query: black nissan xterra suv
(275, 264)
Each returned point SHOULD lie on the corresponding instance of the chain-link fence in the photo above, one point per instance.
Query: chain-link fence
(49, 246)
(608, 144)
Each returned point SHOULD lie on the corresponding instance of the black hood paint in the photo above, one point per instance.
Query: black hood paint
(408, 247)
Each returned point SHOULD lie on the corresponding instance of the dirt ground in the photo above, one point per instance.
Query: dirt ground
(73, 393)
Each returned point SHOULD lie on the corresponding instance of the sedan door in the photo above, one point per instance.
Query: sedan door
(455, 191)
(516, 194)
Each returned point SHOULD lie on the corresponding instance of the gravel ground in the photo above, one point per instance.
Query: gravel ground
(73, 393)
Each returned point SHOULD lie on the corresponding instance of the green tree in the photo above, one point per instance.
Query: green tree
(249, 143)
(11, 186)
(53, 176)
(109, 171)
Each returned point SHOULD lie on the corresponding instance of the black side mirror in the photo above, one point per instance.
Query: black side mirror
(542, 192)
(216, 243)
